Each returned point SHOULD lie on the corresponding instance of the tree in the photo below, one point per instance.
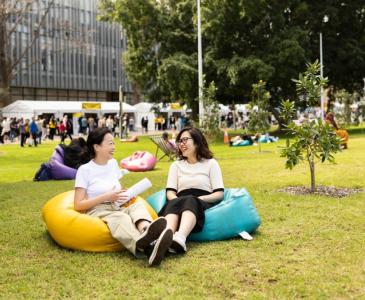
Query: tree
(12, 15)
(287, 114)
(312, 140)
(259, 117)
(161, 55)
(261, 44)
(243, 42)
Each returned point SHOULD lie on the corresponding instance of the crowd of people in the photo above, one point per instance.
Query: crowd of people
(32, 131)
(172, 122)
(239, 120)
(22, 130)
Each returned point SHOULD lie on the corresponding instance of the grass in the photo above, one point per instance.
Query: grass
(307, 246)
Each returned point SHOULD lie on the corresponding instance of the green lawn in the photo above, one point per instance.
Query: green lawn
(307, 246)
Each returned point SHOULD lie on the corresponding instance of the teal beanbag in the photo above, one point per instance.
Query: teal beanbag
(234, 214)
(265, 139)
(241, 143)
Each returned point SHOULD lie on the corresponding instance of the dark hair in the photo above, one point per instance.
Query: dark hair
(76, 153)
(165, 135)
(96, 137)
(202, 148)
(331, 118)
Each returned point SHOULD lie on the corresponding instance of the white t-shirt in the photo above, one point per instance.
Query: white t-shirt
(204, 175)
(98, 179)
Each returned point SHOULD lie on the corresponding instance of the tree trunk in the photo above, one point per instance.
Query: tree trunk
(313, 178)
(5, 73)
(195, 111)
(4, 95)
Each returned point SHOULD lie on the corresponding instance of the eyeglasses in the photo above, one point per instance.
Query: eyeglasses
(183, 141)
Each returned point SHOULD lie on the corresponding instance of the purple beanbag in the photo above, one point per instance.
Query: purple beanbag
(60, 171)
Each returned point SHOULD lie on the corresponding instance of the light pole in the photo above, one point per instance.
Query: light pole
(325, 20)
(200, 66)
(120, 110)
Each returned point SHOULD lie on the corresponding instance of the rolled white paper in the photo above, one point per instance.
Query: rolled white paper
(135, 190)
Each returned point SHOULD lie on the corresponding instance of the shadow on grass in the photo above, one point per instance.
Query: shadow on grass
(53, 245)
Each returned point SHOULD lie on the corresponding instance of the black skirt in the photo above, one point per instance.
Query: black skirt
(188, 200)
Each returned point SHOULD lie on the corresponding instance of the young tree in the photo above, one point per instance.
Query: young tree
(210, 123)
(287, 113)
(259, 117)
(13, 15)
(314, 139)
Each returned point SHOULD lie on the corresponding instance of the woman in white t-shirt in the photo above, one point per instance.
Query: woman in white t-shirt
(194, 184)
(97, 191)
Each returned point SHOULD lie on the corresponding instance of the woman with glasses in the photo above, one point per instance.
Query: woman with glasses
(194, 184)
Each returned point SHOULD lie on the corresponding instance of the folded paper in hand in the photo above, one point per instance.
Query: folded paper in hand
(135, 190)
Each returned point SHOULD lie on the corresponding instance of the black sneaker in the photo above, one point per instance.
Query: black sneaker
(151, 233)
(162, 245)
(177, 246)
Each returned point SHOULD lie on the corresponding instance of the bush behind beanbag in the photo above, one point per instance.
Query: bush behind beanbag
(234, 214)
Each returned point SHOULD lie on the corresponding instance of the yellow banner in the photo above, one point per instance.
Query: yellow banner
(175, 106)
(91, 105)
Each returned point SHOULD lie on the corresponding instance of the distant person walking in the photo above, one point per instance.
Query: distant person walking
(33, 128)
(24, 131)
(144, 123)
(65, 129)
(52, 128)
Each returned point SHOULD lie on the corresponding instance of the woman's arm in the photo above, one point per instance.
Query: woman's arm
(81, 203)
(212, 198)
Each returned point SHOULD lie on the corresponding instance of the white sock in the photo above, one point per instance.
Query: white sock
(181, 236)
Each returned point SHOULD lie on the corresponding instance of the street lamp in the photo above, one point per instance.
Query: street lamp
(200, 66)
(120, 110)
(325, 20)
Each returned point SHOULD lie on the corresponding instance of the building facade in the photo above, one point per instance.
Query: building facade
(74, 58)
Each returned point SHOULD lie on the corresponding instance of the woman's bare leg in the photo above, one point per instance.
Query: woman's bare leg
(187, 223)
(172, 221)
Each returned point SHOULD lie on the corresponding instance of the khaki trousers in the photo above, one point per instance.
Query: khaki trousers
(121, 222)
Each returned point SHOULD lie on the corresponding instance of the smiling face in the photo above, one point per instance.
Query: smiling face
(186, 145)
(106, 149)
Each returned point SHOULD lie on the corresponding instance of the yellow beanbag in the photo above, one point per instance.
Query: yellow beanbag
(74, 230)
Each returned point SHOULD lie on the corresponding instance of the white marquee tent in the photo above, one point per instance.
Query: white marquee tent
(143, 109)
(28, 109)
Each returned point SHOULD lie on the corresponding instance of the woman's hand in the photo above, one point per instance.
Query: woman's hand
(81, 203)
(171, 195)
(212, 198)
(119, 196)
